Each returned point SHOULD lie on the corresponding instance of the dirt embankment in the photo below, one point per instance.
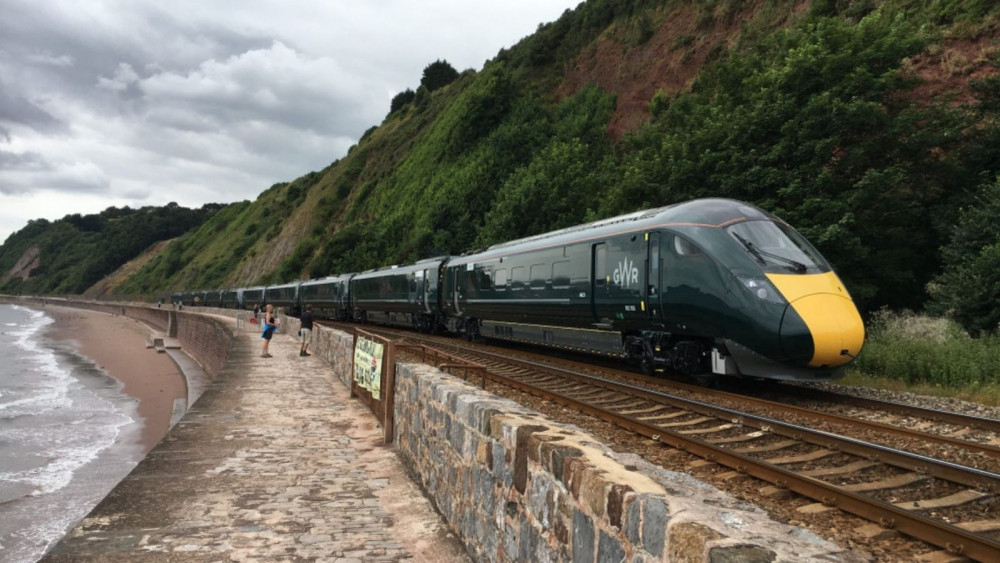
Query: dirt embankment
(681, 44)
(25, 264)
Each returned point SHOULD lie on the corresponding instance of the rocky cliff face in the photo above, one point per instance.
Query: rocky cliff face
(22, 269)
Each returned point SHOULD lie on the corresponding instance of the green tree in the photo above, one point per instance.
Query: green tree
(401, 99)
(438, 74)
(968, 289)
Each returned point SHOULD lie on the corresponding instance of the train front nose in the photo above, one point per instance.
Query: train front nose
(821, 326)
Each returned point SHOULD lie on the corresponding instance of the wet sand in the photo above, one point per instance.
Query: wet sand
(118, 345)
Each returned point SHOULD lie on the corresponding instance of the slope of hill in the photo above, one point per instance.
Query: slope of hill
(870, 126)
(73, 253)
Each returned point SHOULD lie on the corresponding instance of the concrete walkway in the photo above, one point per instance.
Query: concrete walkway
(274, 462)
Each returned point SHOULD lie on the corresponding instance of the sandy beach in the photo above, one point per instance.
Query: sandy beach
(118, 345)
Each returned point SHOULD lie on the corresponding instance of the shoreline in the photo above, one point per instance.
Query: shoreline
(118, 346)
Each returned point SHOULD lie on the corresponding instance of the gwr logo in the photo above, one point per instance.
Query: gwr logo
(626, 274)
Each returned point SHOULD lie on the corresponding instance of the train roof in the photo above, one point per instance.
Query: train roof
(401, 268)
(338, 278)
(713, 213)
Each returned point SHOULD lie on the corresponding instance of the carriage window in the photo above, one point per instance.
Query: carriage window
(485, 283)
(518, 276)
(500, 279)
(539, 275)
(560, 274)
(600, 268)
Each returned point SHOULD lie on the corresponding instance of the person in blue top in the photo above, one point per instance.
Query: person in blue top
(269, 325)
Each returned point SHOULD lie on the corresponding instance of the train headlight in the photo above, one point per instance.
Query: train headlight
(762, 289)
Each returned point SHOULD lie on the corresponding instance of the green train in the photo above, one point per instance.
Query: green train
(706, 288)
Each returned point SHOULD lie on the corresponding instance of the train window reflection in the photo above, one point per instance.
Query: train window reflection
(684, 247)
(777, 244)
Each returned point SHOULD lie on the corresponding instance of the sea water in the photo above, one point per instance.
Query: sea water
(68, 435)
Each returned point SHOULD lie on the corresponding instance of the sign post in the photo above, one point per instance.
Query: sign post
(374, 374)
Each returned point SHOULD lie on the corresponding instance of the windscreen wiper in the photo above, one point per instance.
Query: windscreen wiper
(794, 265)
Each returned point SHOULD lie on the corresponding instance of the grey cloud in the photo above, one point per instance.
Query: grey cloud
(22, 161)
(15, 108)
(30, 172)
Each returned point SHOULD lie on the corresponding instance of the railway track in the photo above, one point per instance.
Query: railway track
(947, 504)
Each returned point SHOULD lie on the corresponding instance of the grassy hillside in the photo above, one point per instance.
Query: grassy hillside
(870, 126)
(77, 251)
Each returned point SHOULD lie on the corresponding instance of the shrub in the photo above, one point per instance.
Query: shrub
(922, 350)
(438, 74)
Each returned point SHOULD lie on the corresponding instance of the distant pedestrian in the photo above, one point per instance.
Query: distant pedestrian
(305, 330)
(270, 325)
(159, 303)
(256, 311)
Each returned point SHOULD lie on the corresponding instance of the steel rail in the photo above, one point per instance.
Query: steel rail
(952, 538)
(948, 417)
(969, 476)
(978, 447)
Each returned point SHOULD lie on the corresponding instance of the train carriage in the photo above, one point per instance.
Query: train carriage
(399, 295)
(252, 296)
(230, 298)
(212, 298)
(708, 286)
(283, 296)
(328, 296)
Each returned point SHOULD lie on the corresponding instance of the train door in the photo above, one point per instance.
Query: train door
(690, 287)
(600, 281)
(417, 289)
(618, 281)
(426, 297)
(653, 281)
(456, 299)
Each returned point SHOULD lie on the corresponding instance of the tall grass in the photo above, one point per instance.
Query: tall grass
(929, 355)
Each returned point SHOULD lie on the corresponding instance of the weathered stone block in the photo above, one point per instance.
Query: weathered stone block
(521, 456)
(633, 518)
(583, 537)
(616, 503)
(609, 548)
(593, 491)
(740, 554)
(655, 518)
(527, 548)
(690, 537)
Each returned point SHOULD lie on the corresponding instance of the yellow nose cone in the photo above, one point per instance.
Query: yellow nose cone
(834, 323)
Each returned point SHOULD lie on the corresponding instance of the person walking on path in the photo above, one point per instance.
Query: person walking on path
(256, 311)
(269, 325)
(305, 330)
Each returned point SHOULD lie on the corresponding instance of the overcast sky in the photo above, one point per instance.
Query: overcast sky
(140, 102)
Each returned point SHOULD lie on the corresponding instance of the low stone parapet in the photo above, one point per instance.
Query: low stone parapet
(515, 485)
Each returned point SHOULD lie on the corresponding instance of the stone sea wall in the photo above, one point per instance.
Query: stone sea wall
(517, 486)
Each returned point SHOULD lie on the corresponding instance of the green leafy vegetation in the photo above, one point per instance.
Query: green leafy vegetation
(933, 355)
(438, 75)
(79, 250)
